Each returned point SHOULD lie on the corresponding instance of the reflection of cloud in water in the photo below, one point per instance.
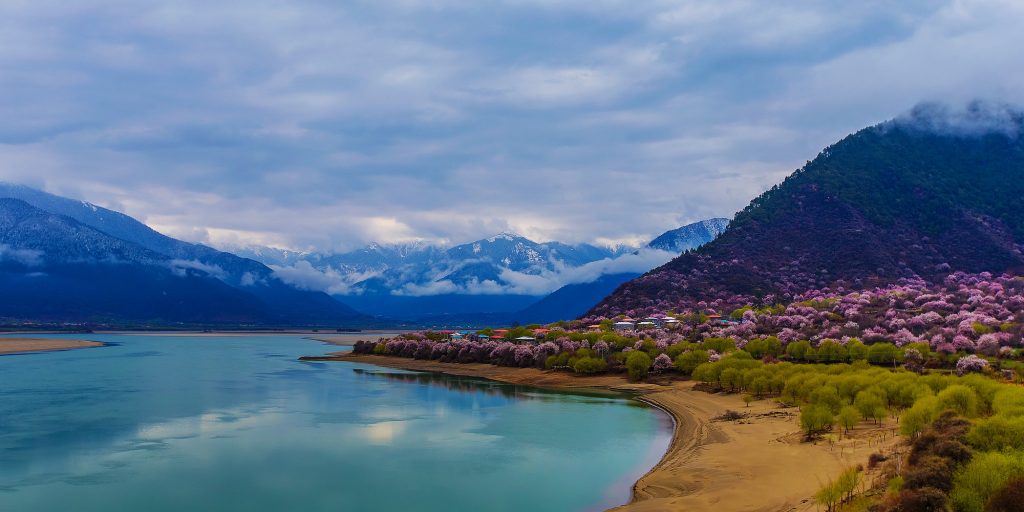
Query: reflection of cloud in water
(384, 432)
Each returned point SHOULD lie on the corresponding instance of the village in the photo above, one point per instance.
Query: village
(621, 324)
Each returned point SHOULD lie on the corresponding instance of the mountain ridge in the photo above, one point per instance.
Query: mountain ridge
(890, 201)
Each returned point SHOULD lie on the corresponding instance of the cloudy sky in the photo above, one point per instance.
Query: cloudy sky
(330, 124)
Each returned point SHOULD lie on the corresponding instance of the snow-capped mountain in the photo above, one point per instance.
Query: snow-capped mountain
(501, 273)
(690, 236)
(48, 242)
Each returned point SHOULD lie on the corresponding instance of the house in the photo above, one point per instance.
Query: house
(671, 323)
(455, 336)
(657, 321)
(624, 326)
(526, 339)
(645, 325)
(540, 331)
(594, 327)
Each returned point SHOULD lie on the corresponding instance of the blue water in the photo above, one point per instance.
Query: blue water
(168, 423)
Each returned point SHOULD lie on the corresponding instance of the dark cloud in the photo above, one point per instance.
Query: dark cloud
(315, 124)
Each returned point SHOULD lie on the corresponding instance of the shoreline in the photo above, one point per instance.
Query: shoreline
(12, 346)
(758, 463)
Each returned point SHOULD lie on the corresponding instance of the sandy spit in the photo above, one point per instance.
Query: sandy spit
(759, 463)
(23, 345)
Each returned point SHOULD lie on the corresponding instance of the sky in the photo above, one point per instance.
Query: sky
(326, 125)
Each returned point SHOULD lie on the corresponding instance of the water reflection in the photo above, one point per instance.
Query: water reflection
(175, 423)
(488, 387)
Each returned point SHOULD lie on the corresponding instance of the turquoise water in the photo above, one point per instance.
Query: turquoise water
(162, 423)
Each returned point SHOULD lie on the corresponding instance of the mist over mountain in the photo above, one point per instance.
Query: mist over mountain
(503, 273)
(931, 192)
(114, 269)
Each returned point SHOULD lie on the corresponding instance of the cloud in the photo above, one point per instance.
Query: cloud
(303, 275)
(536, 282)
(974, 119)
(27, 257)
(548, 281)
(320, 126)
(181, 268)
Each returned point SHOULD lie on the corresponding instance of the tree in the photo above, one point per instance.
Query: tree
(919, 416)
(637, 365)
(798, 349)
(590, 365)
(689, 361)
(849, 416)
(883, 353)
(870, 405)
(747, 399)
(961, 399)
(662, 363)
(815, 419)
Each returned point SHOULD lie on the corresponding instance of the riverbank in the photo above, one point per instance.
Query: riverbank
(26, 345)
(758, 463)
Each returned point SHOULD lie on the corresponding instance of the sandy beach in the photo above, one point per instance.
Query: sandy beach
(22, 345)
(758, 463)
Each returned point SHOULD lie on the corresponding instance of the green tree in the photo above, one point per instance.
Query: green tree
(959, 398)
(849, 416)
(919, 416)
(870, 405)
(857, 349)
(688, 361)
(637, 365)
(815, 419)
(798, 350)
(884, 354)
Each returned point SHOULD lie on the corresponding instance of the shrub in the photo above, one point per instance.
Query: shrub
(926, 499)
(875, 459)
(1009, 498)
(930, 471)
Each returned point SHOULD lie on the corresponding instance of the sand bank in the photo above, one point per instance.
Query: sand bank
(21, 345)
(758, 463)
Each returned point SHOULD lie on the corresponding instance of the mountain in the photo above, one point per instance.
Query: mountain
(55, 269)
(690, 236)
(923, 195)
(501, 274)
(115, 237)
(571, 300)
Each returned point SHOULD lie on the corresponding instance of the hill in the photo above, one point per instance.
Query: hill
(923, 195)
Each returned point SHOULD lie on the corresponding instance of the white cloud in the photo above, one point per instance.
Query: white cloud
(27, 257)
(303, 275)
(316, 125)
(181, 267)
